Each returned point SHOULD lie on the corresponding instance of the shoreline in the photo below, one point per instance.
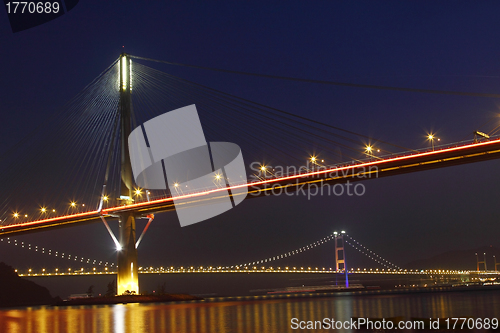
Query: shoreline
(123, 299)
(185, 298)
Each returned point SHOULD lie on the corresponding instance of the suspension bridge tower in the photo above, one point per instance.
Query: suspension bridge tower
(127, 278)
(340, 255)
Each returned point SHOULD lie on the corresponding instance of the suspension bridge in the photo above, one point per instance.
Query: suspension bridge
(92, 136)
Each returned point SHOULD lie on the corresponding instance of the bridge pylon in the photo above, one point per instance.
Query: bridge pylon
(481, 262)
(340, 263)
(127, 275)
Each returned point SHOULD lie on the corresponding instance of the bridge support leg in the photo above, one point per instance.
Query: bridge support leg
(128, 279)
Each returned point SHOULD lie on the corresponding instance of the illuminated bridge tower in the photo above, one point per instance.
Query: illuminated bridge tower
(340, 255)
(127, 278)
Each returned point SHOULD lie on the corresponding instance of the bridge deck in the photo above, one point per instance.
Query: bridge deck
(411, 162)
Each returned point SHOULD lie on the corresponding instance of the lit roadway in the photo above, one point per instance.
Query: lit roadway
(377, 167)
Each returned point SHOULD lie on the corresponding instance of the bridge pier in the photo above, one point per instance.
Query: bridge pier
(127, 275)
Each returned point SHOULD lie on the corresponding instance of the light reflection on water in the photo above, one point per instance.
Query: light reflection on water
(269, 315)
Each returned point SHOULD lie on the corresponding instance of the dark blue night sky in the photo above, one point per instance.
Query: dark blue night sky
(425, 44)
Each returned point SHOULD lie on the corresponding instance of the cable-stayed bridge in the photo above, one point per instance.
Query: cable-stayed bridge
(87, 155)
(271, 184)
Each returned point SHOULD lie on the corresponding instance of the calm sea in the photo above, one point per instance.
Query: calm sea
(247, 314)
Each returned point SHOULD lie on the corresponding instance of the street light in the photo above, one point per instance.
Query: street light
(263, 169)
(369, 150)
(431, 138)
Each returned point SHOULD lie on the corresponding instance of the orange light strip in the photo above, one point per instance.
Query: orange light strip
(274, 180)
(53, 219)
